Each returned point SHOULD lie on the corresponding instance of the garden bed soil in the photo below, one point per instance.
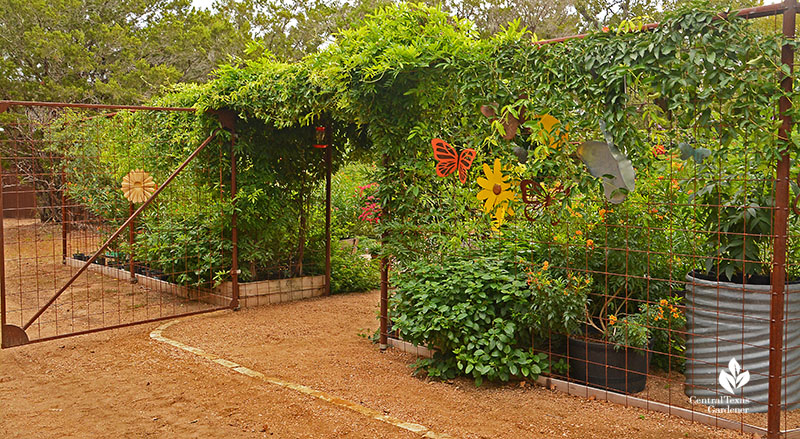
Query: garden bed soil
(123, 384)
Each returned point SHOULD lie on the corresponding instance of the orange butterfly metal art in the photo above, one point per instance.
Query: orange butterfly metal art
(448, 160)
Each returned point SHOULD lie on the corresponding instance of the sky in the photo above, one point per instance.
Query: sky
(202, 4)
(205, 4)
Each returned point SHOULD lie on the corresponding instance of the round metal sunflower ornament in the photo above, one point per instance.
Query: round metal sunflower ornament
(137, 186)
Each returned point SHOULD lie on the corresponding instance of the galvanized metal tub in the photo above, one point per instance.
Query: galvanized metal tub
(731, 321)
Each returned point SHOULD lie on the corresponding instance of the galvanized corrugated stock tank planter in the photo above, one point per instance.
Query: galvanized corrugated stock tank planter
(729, 320)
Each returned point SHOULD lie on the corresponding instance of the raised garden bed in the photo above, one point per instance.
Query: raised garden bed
(250, 293)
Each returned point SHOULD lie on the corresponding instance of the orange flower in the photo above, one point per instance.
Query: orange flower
(606, 29)
(664, 302)
(578, 232)
(590, 243)
(612, 319)
(546, 265)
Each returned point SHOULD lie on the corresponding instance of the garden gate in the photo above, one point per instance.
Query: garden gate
(78, 262)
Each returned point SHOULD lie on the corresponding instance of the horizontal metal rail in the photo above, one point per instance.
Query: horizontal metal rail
(749, 13)
(125, 325)
(4, 105)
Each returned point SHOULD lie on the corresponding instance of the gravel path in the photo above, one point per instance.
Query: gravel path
(123, 384)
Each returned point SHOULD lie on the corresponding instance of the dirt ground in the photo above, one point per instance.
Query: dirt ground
(123, 384)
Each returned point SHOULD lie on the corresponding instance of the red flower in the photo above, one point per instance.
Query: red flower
(659, 150)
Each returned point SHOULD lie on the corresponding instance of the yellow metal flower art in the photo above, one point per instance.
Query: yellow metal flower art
(495, 189)
(550, 136)
(499, 217)
(137, 186)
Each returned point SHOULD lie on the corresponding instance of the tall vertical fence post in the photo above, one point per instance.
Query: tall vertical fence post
(2, 262)
(131, 242)
(234, 229)
(384, 331)
(781, 215)
(328, 172)
(64, 223)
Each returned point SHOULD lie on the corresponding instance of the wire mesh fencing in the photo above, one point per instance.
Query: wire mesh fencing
(664, 277)
(72, 176)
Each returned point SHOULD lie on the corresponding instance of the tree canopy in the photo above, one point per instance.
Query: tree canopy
(126, 51)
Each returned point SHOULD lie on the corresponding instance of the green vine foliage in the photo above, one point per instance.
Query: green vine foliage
(411, 73)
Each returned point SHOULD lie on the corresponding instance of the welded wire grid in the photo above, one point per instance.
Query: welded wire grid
(652, 253)
(62, 175)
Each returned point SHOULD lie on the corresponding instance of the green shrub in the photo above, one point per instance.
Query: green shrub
(477, 312)
(559, 303)
(662, 323)
(352, 272)
(180, 247)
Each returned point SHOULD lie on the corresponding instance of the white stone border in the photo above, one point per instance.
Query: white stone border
(423, 431)
(619, 398)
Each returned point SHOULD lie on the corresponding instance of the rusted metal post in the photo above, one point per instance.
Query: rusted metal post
(2, 261)
(328, 171)
(130, 243)
(384, 336)
(781, 214)
(234, 228)
(64, 223)
(384, 331)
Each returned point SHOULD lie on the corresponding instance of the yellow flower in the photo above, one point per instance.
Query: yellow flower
(500, 216)
(495, 189)
(546, 265)
(612, 319)
(675, 315)
(664, 302)
(137, 186)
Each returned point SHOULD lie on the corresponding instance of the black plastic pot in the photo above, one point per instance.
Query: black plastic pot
(598, 364)
(555, 346)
